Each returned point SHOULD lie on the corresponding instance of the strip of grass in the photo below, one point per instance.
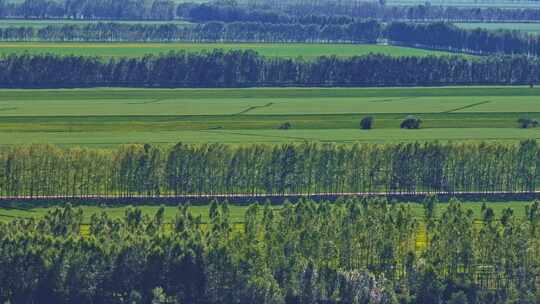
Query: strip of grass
(238, 211)
(68, 124)
(286, 50)
(112, 139)
(136, 94)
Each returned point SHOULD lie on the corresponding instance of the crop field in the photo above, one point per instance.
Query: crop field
(237, 212)
(532, 28)
(108, 117)
(290, 50)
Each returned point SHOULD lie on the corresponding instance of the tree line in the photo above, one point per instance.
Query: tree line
(442, 36)
(308, 168)
(351, 251)
(254, 11)
(236, 68)
(367, 32)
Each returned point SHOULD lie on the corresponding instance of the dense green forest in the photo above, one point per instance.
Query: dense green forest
(351, 251)
(41, 170)
(246, 68)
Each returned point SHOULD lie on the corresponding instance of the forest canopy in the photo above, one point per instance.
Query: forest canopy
(351, 251)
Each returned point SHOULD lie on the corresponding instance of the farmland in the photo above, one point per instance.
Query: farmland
(293, 50)
(385, 171)
(107, 117)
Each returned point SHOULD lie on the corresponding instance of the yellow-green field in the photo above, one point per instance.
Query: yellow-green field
(289, 50)
(108, 117)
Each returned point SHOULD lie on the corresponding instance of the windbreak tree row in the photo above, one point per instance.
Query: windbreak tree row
(353, 251)
(308, 168)
(321, 12)
(246, 68)
(438, 35)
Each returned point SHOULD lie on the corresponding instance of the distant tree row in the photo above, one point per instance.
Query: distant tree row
(246, 68)
(320, 12)
(367, 32)
(448, 36)
(148, 170)
(442, 36)
(351, 251)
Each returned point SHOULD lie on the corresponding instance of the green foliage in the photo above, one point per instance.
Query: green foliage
(366, 123)
(153, 171)
(525, 123)
(309, 252)
(285, 126)
(241, 68)
(411, 122)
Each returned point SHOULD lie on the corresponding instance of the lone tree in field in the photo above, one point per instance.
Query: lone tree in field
(366, 123)
(285, 126)
(525, 123)
(411, 122)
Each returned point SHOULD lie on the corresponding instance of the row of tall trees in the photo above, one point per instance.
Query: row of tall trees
(90, 9)
(431, 35)
(367, 32)
(220, 68)
(257, 11)
(448, 36)
(345, 252)
(307, 168)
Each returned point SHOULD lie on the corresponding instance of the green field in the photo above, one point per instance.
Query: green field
(238, 211)
(107, 117)
(289, 50)
(533, 28)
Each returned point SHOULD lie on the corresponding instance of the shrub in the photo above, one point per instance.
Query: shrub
(525, 123)
(411, 122)
(366, 123)
(285, 126)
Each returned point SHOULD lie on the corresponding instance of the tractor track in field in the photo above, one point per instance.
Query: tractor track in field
(393, 99)
(253, 108)
(147, 102)
(466, 107)
(258, 135)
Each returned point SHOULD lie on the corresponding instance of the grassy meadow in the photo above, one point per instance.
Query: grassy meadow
(289, 50)
(108, 117)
